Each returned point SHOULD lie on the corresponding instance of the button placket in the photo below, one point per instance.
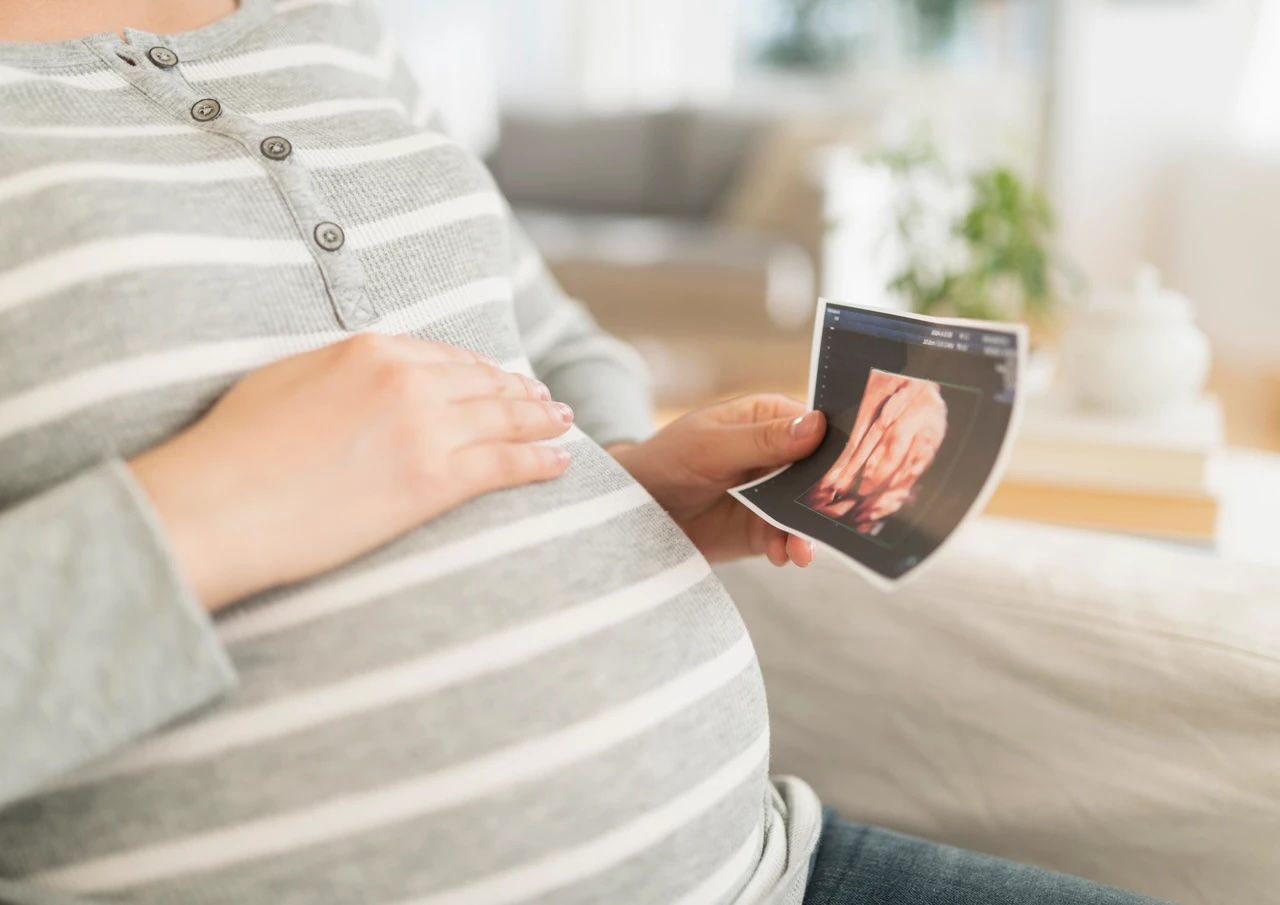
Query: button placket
(339, 267)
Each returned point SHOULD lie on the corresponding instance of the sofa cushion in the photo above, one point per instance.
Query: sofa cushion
(574, 162)
(677, 163)
(1105, 706)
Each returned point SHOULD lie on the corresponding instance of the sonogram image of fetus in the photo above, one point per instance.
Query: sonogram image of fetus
(900, 426)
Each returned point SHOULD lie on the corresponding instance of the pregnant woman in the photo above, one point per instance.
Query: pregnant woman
(337, 564)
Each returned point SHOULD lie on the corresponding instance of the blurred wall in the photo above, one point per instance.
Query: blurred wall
(1147, 160)
(449, 45)
(616, 54)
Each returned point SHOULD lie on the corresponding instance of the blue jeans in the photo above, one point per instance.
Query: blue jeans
(863, 865)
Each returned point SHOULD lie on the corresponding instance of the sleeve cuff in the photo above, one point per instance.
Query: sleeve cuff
(109, 642)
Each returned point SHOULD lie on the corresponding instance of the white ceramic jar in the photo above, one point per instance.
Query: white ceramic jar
(1135, 352)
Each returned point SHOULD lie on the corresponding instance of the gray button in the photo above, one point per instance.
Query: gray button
(330, 236)
(206, 110)
(276, 148)
(163, 57)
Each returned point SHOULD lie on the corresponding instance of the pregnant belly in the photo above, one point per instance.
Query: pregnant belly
(546, 689)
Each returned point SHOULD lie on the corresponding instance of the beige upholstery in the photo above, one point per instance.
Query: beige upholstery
(1099, 705)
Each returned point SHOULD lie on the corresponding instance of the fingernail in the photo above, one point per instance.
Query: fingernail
(806, 426)
(560, 454)
(541, 390)
(565, 413)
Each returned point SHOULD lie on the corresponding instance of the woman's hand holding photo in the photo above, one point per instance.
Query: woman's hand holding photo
(689, 465)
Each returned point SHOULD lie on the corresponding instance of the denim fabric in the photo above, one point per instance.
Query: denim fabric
(863, 865)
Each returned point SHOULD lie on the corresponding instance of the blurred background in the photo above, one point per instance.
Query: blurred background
(699, 171)
(1109, 170)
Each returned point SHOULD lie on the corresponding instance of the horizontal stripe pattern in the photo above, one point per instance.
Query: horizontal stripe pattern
(528, 270)
(399, 802)
(526, 881)
(105, 80)
(133, 131)
(550, 330)
(367, 587)
(40, 178)
(403, 681)
(106, 257)
(94, 386)
(322, 109)
(269, 116)
(58, 399)
(333, 158)
(728, 876)
(377, 65)
(412, 223)
(480, 684)
(424, 111)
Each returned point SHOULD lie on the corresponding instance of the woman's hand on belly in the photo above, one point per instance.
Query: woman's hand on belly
(689, 465)
(316, 459)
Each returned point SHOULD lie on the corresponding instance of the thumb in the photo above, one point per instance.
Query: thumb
(779, 441)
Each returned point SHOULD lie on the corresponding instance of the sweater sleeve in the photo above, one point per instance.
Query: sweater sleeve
(602, 378)
(101, 641)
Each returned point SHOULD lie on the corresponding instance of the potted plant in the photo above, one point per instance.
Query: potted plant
(974, 245)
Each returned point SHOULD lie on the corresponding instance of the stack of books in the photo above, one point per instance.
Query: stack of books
(1149, 475)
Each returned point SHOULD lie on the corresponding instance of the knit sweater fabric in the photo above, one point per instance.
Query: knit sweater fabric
(541, 696)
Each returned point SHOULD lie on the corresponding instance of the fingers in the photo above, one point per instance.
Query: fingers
(800, 551)
(429, 351)
(758, 533)
(380, 346)
(462, 373)
(452, 373)
(768, 444)
(784, 440)
(777, 545)
(512, 420)
(758, 407)
(466, 381)
(776, 549)
(497, 466)
(782, 548)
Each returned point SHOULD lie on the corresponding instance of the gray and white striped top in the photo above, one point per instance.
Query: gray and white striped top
(543, 696)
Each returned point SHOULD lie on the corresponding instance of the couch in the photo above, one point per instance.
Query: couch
(679, 233)
(1100, 705)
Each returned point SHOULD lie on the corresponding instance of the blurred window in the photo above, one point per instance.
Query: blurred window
(1259, 109)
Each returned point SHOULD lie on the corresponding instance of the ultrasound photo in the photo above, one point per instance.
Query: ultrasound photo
(920, 412)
